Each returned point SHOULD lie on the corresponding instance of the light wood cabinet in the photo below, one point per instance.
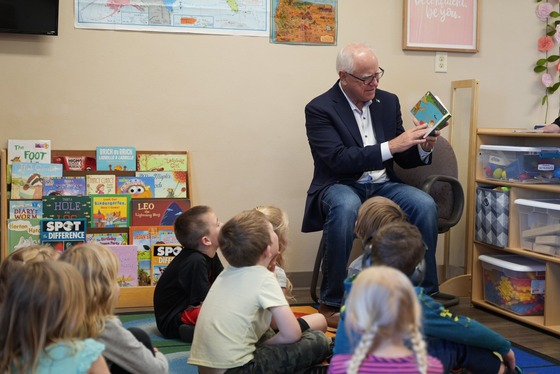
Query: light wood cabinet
(550, 321)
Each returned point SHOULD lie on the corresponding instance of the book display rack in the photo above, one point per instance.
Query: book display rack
(149, 195)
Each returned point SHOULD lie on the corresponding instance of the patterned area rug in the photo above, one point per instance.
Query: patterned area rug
(177, 352)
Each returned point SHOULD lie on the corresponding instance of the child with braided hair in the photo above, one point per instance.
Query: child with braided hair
(383, 307)
(459, 342)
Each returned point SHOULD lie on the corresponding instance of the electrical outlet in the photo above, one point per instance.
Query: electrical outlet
(441, 62)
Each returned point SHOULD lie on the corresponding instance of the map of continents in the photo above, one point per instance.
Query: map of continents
(304, 22)
(237, 17)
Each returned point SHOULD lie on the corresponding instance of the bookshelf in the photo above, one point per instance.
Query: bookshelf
(131, 298)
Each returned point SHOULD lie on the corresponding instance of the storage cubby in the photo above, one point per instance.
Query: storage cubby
(550, 320)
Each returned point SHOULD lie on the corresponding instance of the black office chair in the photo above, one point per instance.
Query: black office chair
(439, 179)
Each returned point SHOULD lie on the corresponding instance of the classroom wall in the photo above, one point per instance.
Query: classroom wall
(236, 103)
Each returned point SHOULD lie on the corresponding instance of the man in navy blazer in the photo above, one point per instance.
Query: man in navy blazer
(355, 133)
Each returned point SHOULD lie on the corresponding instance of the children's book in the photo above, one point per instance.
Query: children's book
(23, 233)
(108, 238)
(67, 207)
(25, 209)
(101, 184)
(136, 187)
(64, 186)
(157, 212)
(75, 163)
(63, 234)
(168, 184)
(143, 237)
(116, 158)
(27, 179)
(162, 255)
(128, 264)
(429, 109)
(162, 162)
(110, 210)
(29, 151)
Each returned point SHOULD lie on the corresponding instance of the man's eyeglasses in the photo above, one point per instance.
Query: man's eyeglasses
(369, 80)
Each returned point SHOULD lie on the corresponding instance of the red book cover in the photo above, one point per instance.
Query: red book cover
(157, 212)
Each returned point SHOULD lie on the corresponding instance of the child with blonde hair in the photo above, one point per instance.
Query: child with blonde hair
(22, 256)
(374, 213)
(126, 351)
(382, 306)
(41, 322)
(280, 223)
(457, 341)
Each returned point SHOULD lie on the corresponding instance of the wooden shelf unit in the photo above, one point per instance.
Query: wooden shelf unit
(550, 320)
(131, 298)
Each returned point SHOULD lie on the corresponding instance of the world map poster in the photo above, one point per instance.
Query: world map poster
(226, 17)
(304, 22)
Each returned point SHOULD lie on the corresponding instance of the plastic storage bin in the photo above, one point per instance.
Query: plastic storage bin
(514, 283)
(539, 225)
(492, 216)
(521, 164)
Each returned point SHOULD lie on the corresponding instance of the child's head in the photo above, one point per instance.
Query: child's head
(374, 213)
(22, 256)
(280, 223)
(245, 238)
(383, 306)
(99, 267)
(398, 245)
(44, 303)
(197, 228)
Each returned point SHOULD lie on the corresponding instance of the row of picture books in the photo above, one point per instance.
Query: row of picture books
(101, 211)
(143, 251)
(33, 181)
(106, 158)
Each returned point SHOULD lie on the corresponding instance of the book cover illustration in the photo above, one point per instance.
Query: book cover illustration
(162, 255)
(168, 184)
(27, 179)
(108, 238)
(136, 187)
(110, 210)
(116, 158)
(162, 162)
(429, 109)
(67, 207)
(143, 237)
(128, 264)
(157, 212)
(25, 209)
(63, 234)
(76, 163)
(64, 186)
(101, 184)
(23, 233)
(29, 150)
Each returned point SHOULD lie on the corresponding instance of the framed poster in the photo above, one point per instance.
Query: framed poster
(450, 26)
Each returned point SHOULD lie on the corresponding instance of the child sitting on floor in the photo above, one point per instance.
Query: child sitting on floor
(280, 223)
(382, 307)
(22, 256)
(233, 329)
(126, 351)
(457, 341)
(41, 322)
(183, 286)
